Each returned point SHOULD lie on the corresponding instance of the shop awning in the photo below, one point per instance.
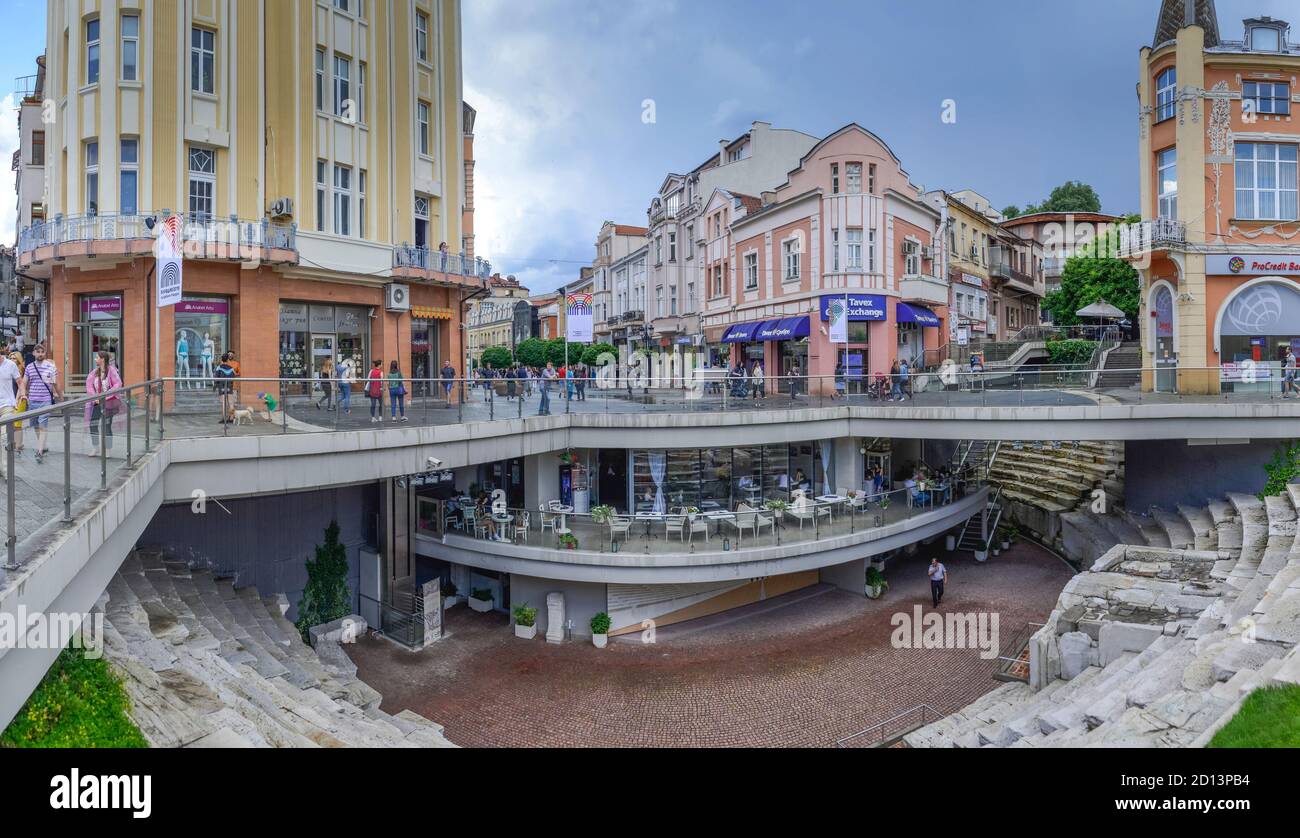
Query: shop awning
(741, 332)
(920, 315)
(789, 328)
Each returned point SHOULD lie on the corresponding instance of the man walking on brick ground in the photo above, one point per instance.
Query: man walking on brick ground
(938, 575)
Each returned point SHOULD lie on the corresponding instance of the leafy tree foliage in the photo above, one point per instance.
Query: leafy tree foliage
(532, 352)
(496, 357)
(1087, 279)
(325, 597)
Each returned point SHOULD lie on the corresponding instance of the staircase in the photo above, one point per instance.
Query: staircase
(1126, 359)
(972, 535)
(206, 665)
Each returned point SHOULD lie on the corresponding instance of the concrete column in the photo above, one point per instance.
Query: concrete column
(541, 479)
(846, 464)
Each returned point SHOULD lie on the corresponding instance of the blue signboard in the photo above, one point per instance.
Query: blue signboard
(861, 306)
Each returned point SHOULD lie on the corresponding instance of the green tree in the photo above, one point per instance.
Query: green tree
(532, 352)
(1087, 279)
(325, 597)
(591, 355)
(1071, 196)
(1011, 211)
(496, 357)
(555, 351)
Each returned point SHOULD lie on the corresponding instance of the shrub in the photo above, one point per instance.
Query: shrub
(1070, 352)
(1284, 468)
(80, 703)
(876, 579)
(525, 615)
(601, 514)
(568, 541)
(448, 588)
(325, 597)
(482, 594)
(496, 357)
(600, 623)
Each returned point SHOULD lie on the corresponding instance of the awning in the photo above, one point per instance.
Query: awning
(789, 328)
(920, 315)
(741, 332)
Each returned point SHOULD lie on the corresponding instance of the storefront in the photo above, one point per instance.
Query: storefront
(721, 478)
(202, 336)
(426, 338)
(313, 332)
(912, 320)
(1257, 323)
(99, 329)
(852, 359)
(789, 336)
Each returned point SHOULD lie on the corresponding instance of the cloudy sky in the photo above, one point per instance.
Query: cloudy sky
(1044, 92)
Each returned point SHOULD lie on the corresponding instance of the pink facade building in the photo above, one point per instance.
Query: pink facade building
(848, 224)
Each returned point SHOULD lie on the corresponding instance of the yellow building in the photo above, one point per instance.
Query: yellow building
(319, 152)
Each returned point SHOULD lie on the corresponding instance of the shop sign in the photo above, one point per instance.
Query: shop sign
(861, 306)
(203, 307)
(971, 279)
(293, 317)
(1246, 265)
(322, 319)
(102, 308)
(1247, 372)
(347, 319)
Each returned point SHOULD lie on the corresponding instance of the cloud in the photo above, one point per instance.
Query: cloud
(9, 140)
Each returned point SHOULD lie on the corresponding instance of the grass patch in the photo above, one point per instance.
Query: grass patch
(79, 704)
(1268, 718)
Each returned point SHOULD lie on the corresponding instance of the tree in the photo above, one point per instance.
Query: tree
(325, 597)
(532, 352)
(1071, 196)
(555, 351)
(1087, 279)
(1011, 211)
(496, 357)
(591, 354)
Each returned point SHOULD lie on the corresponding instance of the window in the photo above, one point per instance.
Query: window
(871, 251)
(835, 250)
(203, 183)
(835, 178)
(911, 258)
(422, 127)
(751, 272)
(421, 221)
(130, 47)
(659, 301)
(128, 176)
(659, 250)
(690, 241)
(203, 60)
(92, 51)
(1167, 178)
(92, 178)
(421, 36)
(790, 250)
(672, 246)
(359, 110)
(1268, 97)
(1265, 39)
(1266, 181)
(853, 251)
(1166, 94)
(361, 203)
(320, 79)
(871, 178)
(342, 86)
(38, 148)
(853, 178)
(322, 186)
(342, 200)
(672, 299)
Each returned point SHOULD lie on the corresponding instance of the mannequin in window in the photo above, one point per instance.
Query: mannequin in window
(182, 357)
(208, 348)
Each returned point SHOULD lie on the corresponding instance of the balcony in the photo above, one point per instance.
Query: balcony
(426, 263)
(1144, 237)
(128, 236)
(1017, 279)
(924, 289)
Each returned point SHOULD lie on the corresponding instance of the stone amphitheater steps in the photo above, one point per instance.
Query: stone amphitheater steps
(1153, 535)
(206, 665)
(1180, 533)
(1204, 534)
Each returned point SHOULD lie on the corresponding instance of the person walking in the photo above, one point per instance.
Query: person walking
(20, 398)
(448, 380)
(895, 383)
(42, 391)
(375, 390)
(758, 384)
(345, 377)
(1289, 374)
(512, 382)
(525, 382)
(102, 380)
(904, 379)
(938, 575)
(326, 384)
(396, 393)
(12, 393)
(580, 381)
(795, 374)
(548, 375)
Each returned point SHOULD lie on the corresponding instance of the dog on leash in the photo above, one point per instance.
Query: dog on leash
(243, 413)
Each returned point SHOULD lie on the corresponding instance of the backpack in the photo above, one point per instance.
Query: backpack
(224, 375)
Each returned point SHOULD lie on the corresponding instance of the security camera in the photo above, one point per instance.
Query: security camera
(433, 462)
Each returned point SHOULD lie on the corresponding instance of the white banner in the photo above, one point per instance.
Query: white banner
(838, 311)
(578, 325)
(169, 262)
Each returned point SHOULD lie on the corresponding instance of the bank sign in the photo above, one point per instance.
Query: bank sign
(1242, 265)
(861, 307)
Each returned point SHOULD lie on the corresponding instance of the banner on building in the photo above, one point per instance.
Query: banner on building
(578, 319)
(169, 262)
(838, 311)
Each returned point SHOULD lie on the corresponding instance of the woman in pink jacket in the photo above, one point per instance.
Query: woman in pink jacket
(105, 378)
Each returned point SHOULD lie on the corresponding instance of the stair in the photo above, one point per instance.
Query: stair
(1126, 362)
(209, 665)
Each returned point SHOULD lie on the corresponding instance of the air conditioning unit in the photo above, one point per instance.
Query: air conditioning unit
(397, 297)
(927, 252)
(282, 208)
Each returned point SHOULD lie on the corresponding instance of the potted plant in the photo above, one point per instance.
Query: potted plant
(568, 541)
(777, 505)
(450, 594)
(1009, 534)
(480, 600)
(876, 583)
(601, 514)
(525, 621)
(691, 512)
(600, 630)
(884, 501)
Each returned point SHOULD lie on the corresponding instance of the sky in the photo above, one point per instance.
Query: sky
(1044, 93)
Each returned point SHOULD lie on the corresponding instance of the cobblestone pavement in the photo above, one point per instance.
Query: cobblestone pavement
(800, 670)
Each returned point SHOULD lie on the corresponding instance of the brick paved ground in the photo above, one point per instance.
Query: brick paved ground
(800, 671)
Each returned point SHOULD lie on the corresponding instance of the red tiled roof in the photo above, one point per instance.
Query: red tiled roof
(750, 203)
(629, 230)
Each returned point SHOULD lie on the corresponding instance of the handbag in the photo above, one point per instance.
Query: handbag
(54, 398)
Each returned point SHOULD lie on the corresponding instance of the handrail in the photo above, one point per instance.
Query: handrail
(880, 726)
(197, 231)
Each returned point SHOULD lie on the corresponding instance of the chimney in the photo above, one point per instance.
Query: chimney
(768, 198)
(722, 151)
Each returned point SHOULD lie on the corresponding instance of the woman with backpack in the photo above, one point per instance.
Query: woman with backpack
(344, 372)
(102, 380)
(396, 392)
(375, 390)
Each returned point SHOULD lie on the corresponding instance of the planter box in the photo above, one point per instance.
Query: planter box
(482, 606)
(599, 640)
(525, 632)
(981, 556)
(452, 600)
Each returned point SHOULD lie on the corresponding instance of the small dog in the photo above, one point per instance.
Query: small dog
(242, 413)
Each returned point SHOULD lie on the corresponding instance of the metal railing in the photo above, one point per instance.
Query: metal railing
(891, 729)
(197, 232)
(1144, 236)
(1012, 656)
(432, 259)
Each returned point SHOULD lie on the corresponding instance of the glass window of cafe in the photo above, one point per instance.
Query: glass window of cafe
(202, 326)
(100, 330)
(721, 478)
(312, 332)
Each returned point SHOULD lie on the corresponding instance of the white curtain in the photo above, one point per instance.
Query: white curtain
(826, 466)
(658, 463)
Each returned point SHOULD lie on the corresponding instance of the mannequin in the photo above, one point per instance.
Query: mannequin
(208, 348)
(182, 358)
